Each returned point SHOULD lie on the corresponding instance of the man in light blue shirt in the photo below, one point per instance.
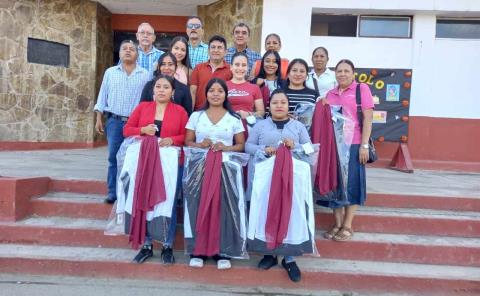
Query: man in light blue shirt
(119, 94)
(198, 51)
(241, 37)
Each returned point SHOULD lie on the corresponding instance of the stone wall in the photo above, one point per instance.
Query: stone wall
(41, 103)
(221, 16)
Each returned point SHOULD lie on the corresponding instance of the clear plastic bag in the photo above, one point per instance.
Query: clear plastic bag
(343, 128)
(158, 220)
(300, 239)
(115, 223)
(304, 114)
(233, 210)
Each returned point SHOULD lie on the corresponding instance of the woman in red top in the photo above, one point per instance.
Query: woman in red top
(244, 97)
(166, 120)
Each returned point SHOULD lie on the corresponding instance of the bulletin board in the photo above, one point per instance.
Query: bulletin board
(391, 94)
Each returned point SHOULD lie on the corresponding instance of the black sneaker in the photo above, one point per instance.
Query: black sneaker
(110, 200)
(267, 262)
(167, 256)
(145, 253)
(293, 271)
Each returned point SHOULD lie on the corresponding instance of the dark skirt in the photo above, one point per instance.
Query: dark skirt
(356, 185)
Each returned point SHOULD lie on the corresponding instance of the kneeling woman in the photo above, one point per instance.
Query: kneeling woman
(166, 120)
(211, 217)
(281, 208)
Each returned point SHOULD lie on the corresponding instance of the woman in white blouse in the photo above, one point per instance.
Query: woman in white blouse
(216, 127)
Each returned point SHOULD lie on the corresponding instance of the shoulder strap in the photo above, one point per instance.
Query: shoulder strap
(358, 98)
(315, 84)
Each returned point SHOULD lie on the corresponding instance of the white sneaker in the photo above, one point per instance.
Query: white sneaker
(224, 264)
(196, 262)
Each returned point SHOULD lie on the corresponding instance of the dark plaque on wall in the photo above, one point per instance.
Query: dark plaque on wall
(48, 53)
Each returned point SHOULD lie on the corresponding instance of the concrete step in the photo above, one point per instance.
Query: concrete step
(368, 246)
(368, 219)
(408, 221)
(358, 276)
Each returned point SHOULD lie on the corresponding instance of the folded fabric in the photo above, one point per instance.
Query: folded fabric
(149, 188)
(326, 179)
(207, 228)
(280, 200)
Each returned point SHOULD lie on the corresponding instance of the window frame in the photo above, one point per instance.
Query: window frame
(410, 22)
(455, 19)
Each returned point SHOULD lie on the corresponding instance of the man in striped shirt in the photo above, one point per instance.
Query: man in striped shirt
(119, 94)
(198, 51)
(147, 53)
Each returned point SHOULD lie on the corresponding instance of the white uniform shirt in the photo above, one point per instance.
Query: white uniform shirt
(326, 81)
(300, 229)
(169, 162)
(223, 131)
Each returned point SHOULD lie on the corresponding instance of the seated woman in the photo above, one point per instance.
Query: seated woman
(216, 127)
(166, 120)
(167, 65)
(269, 78)
(265, 137)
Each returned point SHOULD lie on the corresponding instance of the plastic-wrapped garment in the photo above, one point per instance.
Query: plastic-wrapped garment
(300, 238)
(158, 219)
(334, 132)
(232, 201)
(304, 114)
(343, 128)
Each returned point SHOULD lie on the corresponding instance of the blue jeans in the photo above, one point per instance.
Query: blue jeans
(114, 132)
(173, 222)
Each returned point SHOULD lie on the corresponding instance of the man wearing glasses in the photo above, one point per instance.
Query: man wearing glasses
(147, 53)
(214, 67)
(198, 51)
(241, 37)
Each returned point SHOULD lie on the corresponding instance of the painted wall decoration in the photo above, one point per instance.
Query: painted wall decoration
(391, 94)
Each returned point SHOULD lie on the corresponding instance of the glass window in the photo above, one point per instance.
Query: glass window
(334, 25)
(385, 26)
(457, 28)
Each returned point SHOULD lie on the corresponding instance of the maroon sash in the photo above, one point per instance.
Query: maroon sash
(149, 189)
(280, 200)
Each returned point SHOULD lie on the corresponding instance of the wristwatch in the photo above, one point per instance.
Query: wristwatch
(365, 146)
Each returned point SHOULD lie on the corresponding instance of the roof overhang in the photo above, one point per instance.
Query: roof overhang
(154, 7)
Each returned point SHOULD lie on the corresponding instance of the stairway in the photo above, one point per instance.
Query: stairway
(402, 244)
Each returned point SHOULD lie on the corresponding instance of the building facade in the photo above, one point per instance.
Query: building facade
(51, 106)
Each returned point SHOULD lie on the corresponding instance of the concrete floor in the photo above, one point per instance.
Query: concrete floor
(91, 164)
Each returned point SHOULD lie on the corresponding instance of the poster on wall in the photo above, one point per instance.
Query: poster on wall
(391, 95)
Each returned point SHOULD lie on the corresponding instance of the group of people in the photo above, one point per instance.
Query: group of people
(216, 99)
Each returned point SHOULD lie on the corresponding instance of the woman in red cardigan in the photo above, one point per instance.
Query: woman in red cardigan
(166, 120)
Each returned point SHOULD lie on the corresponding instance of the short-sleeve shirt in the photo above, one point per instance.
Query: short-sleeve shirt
(223, 131)
(325, 82)
(242, 96)
(348, 102)
(202, 74)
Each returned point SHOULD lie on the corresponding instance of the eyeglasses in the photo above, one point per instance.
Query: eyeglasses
(194, 26)
(145, 33)
(218, 47)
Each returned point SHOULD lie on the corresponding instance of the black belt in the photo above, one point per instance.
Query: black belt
(115, 116)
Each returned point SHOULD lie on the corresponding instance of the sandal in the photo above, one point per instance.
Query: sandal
(343, 234)
(332, 232)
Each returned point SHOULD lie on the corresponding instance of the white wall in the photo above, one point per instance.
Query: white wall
(445, 71)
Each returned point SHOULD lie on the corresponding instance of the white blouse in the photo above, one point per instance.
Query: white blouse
(223, 131)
